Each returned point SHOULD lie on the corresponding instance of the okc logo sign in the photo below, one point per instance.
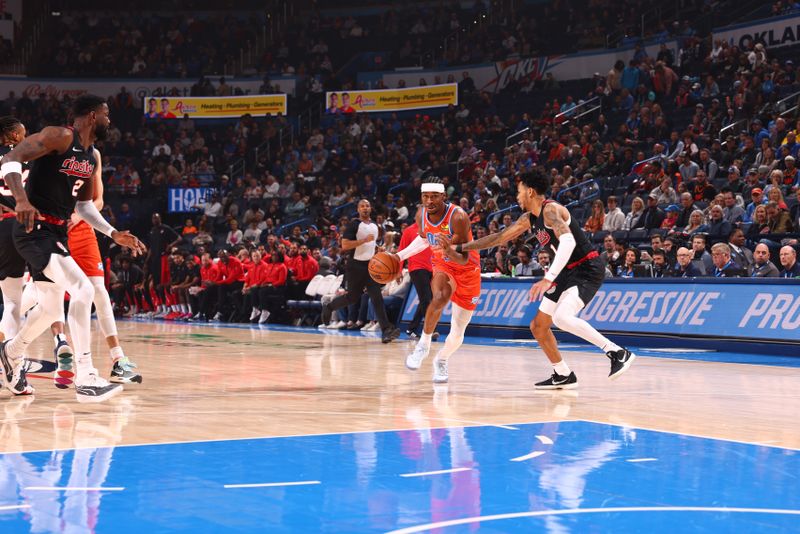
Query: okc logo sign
(523, 71)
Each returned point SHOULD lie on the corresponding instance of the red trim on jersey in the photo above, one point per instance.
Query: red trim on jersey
(9, 215)
(51, 220)
(590, 256)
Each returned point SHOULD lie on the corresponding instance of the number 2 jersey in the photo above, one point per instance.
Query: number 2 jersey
(55, 179)
(467, 278)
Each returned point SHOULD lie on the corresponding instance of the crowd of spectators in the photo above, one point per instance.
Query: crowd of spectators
(142, 44)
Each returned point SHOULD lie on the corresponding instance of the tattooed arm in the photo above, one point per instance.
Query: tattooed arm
(555, 217)
(51, 139)
(522, 225)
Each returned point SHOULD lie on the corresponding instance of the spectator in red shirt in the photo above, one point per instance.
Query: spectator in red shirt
(204, 297)
(253, 280)
(272, 293)
(420, 269)
(229, 289)
(304, 267)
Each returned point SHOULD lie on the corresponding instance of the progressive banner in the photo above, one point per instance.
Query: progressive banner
(727, 309)
(382, 100)
(214, 107)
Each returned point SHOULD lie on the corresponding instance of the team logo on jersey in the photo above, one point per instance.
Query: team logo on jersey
(73, 167)
(100, 266)
(475, 300)
(445, 228)
(543, 237)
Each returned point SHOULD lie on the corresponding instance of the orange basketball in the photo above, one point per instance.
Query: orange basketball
(385, 267)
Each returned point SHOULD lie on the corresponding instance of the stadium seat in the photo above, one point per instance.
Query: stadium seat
(637, 234)
(620, 235)
(598, 237)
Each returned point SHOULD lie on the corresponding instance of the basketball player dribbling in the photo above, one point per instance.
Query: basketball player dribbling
(574, 277)
(65, 165)
(456, 277)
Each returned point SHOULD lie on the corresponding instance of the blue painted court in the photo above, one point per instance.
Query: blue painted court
(571, 476)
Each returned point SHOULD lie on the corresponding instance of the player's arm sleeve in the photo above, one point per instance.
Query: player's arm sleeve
(87, 211)
(415, 247)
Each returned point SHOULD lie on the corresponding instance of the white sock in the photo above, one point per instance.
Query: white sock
(562, 368)
(59, 338)
(611, 347)
(116, 353)
(184, 308)
(425, 339)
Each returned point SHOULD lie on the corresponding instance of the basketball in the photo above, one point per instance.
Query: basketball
(385, 267)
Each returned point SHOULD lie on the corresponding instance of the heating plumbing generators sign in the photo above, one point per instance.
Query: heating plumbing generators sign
(726, 309)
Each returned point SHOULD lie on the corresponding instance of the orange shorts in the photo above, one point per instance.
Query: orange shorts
(82, 244)
(467, 284)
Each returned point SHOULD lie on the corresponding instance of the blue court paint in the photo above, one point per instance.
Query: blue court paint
(773, 356)
(583, 482)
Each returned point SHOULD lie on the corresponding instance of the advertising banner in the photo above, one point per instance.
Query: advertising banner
(213, 107)
(727, 309)
(182, 200)
(409, 98)
(773, 33)
(138, 88)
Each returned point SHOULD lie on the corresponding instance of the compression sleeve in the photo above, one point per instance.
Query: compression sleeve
(566, 244)
(87, 211)
(415, 247)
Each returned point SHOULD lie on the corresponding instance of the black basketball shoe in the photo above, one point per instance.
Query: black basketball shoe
(390, 334)
(558, 382)
(325, 316)
(620, 361)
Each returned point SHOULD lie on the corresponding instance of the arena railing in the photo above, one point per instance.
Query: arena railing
(731, 128)
(580, 110)
(499, 213)
(515, 135)
(788, 105)
(579, 187)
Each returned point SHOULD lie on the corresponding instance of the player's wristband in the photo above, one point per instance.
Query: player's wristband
(10, 166)
(459, 248)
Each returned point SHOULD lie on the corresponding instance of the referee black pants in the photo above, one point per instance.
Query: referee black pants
(421, 278)
(358, 278)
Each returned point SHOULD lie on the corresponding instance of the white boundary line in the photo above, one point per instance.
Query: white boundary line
(440, 472)
(14, 507)
(638, 460)
(576, 511)
(273, 484)
(544, 440)
(534, 454)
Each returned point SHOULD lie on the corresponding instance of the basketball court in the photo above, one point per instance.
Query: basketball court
(287, 430)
